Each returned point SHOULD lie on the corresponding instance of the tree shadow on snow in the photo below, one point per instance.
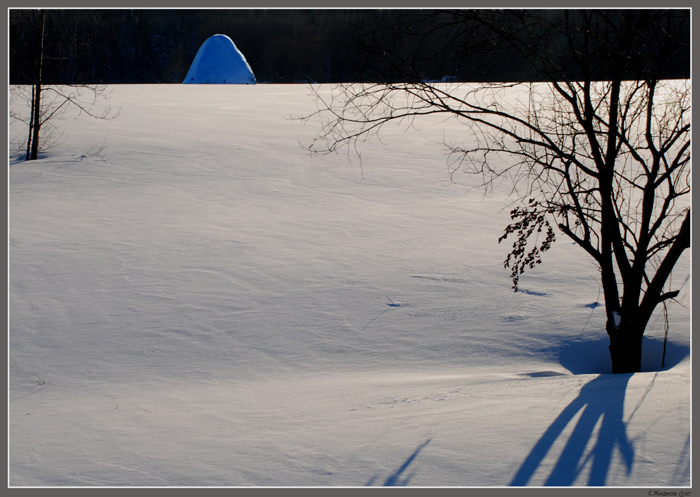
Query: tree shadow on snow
(600, 404)
(593, 357)
(396, 479)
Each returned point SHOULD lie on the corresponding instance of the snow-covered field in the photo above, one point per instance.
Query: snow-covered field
(207, 305)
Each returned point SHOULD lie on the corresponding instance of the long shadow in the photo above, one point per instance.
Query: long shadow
(601, 401)
(395, 479)
(592, 356)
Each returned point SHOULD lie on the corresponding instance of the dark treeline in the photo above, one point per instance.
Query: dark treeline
(158, 46)
(118, 46)
(485, 45)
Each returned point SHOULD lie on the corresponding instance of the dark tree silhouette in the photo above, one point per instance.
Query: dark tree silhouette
(597, 142)
(48, 102)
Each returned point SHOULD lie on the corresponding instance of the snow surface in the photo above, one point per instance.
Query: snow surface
(207, 305)
(218, 61)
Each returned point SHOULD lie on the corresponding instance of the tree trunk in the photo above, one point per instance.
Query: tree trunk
(625, 349)
(31, 127)
(36, 100)
(36, 120)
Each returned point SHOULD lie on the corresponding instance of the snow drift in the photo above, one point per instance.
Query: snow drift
(219, 61)
(207, 305)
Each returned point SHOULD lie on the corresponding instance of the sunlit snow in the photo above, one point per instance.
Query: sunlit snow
(195, 301)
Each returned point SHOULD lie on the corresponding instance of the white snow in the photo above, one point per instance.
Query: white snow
(207, 305)
(617, 319)
(218, 61)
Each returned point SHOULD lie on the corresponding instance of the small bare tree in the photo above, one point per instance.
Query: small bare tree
(600, 156)
(39, 105)
(39, 108)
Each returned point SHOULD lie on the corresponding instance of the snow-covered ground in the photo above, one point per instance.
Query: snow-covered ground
(207, 305)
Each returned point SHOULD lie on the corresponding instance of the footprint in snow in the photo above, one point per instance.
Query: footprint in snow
(542, 374)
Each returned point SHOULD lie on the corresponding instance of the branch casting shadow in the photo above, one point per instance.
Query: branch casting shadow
(395, 480)
(602, 402)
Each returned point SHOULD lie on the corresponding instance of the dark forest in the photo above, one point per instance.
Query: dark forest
(144, 46)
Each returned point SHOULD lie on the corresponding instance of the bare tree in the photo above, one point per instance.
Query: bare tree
(596, 145)
(39, 105)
